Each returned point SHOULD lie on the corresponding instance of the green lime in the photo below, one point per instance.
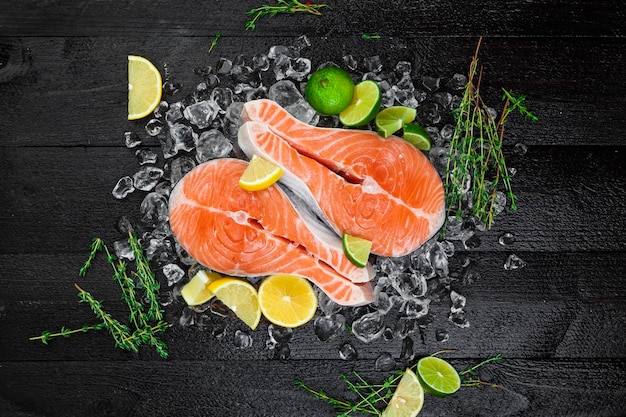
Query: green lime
(329, 90)
(392, 119)
(417, 136)
(438, 377)
(356, 249)
(364, 106)
(407, 399)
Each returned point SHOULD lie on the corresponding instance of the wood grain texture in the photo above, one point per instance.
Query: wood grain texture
(559, 321)
(574, 84)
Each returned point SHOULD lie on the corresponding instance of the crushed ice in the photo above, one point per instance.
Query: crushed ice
(203, 125)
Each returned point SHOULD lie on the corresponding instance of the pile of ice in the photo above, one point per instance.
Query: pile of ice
(203, 124)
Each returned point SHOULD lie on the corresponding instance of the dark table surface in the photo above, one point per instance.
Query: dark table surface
(558, 322)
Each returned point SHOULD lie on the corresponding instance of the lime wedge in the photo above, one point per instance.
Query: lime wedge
(392, 119)
(356, 249)
(417, 136)
(437, 376)
(196, 291)
(408, 398)
(364, 106)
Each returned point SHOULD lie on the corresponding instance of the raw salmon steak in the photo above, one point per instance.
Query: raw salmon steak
(380, 189)
(244, 233)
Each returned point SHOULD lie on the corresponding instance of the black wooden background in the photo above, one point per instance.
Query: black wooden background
(559, 322)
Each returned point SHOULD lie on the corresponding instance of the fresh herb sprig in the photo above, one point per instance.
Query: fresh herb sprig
(214, 41)
(144, 326)
(476, 163)
(282, 6)
(373, 398)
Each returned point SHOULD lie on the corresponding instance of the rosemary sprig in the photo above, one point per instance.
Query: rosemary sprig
(476, 163)
(282, 6)
(373, 398)
(214, 41)
(370, 36)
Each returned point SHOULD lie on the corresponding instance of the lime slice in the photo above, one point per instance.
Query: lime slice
(392, 119)
(196, 291)
(437, 376)
(329, 90)
(364, 106)
(417, 136)
(259, 174)
(408, 398)
(356, 249)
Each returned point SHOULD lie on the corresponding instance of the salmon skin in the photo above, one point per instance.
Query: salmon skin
(380, 189)
(244, 233)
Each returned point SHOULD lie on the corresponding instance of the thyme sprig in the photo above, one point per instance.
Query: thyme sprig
(476, 163)
(214, 41)
(144, 326)
(373, 398)
(282, 6)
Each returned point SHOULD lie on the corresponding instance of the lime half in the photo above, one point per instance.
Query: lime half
(408, 398)
(417, 136)
(364, 106)
(392, 119)
(438, 377)
(356, 249)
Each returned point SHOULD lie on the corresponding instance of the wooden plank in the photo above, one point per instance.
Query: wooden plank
(561, 305)
(242, 388)
(81, 82)
(569, 198)
(393, 18)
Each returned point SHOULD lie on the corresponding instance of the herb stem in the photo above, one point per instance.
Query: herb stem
(282, 6)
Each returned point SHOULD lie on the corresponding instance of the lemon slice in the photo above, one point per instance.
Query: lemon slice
(438, 377)
(417, 136)
(364, 106)
(240, 296)
(356, 249)
(144, 87)
(287, 300)
(407, 399)
(196, 291)
(392, 119)
(259, 174)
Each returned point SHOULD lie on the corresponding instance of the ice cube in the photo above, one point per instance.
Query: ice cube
(123, 187)
(514, 262)
(131, 139)
(173, 273)
(153, 209)
(347, 352)
(385, 362)
(201, 114)
(147, 177)
(146, 156)
(328, 327)
(241, 339)
(154, 127)
(212, 144)
(368, 327)
(179, 167)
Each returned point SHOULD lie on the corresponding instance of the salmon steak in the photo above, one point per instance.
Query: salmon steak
(242, 233)
(380, 189)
